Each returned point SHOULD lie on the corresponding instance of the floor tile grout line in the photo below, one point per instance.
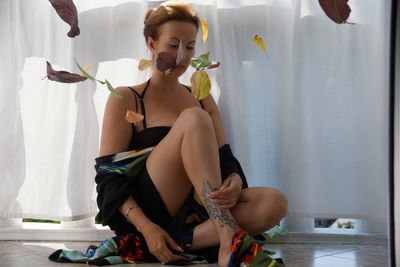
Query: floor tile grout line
(344, 251)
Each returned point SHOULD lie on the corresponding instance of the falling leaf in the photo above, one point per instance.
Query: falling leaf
(212, 66)
(66, 9)
(336, 10)
(144, 64)
(63, 76)
(204, 29)
(260, 42)
(84, 73)
(201, 62)
(112, 90)
(180, 53)
(85, 68)
(133, 117)
(201, 84)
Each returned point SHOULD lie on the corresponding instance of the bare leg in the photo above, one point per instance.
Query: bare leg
(257, 210)
(194, 135)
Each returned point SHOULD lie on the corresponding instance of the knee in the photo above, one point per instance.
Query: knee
(196, 118)
(281, 204)
(275, 207)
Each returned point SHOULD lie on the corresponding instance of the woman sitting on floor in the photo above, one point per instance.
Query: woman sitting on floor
(190, 160)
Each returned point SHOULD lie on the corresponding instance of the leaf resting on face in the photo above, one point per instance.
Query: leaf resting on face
(336, 10)
(201, 84)
(63, 76)
(165, 61)
(180, 53)
(66, 9)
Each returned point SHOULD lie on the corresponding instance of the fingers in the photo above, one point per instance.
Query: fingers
(226, 194)
(172, 243)
(161, 251)
(226, 198)
(226, 204)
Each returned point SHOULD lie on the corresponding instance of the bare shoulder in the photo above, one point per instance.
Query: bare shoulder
(116, 131)
(128, 100)
(209, 104)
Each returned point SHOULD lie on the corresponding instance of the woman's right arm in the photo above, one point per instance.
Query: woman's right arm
(116, 131)
(116, 134)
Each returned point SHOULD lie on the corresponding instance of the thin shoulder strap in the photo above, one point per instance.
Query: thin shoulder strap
(141, 102)
(187, 87)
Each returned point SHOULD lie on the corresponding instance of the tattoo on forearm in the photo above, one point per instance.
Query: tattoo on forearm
(215, 212)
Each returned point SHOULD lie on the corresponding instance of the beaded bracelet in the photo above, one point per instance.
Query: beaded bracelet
(129, 210)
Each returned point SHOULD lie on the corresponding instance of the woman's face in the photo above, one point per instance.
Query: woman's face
(169, 36)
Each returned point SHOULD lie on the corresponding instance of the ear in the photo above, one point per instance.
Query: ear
(151, 44)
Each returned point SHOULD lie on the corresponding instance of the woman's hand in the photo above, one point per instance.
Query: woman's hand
(229, 193)
(157, 240)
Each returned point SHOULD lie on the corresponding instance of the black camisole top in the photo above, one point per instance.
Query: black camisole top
(149, 136)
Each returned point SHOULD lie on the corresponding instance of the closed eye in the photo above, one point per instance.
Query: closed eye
(176, 46)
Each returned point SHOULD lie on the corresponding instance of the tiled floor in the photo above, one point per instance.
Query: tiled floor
(31, 254)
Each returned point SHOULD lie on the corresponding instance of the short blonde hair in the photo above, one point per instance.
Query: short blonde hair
(167, 11)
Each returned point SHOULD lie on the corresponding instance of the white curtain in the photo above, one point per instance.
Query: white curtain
(310, 117)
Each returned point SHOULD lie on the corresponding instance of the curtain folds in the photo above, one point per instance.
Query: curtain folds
(309, 117)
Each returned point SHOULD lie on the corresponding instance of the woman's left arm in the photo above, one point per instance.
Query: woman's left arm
(230, 190)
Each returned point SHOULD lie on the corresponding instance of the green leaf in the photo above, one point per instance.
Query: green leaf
(112, 90)
(201, 62)
(87, 75)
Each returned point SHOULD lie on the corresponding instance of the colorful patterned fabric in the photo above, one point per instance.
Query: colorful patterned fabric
(246, 251)
(128, 248)
(119, 165)
(116, 176)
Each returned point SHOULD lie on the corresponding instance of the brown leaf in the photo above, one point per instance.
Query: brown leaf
(212, 66)
(165, 61)
(336, 10)
(63, 76)
(66, 9)
(133, 117)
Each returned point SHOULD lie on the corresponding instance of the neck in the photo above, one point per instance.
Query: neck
(163, 82)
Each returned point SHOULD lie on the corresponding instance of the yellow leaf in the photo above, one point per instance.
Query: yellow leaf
(260, 42)
(204, 29)
(201, 84)
(144, 64)
(86, 67)
(133, 117)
